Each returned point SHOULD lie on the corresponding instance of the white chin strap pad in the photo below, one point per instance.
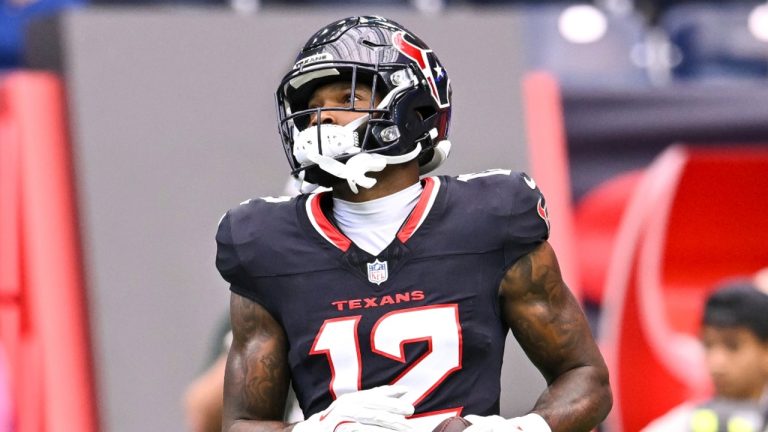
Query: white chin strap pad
(354, 170)
(338, 141)
(334, 141)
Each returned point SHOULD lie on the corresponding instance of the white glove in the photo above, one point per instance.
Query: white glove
(375, 410)
(528, 423)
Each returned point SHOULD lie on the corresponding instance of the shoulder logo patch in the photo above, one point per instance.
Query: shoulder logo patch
(541, 208)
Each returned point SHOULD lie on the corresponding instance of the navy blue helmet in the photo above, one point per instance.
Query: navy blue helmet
(409, 120)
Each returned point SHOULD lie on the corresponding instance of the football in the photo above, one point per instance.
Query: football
(452, 424)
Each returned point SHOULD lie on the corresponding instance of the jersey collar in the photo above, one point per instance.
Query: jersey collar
(333, 235)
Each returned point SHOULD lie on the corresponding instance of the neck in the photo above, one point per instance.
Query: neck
(391, 179)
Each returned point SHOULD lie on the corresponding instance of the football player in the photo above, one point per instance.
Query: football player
(386, 301)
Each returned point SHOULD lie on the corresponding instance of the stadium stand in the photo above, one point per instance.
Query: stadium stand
(603, 63)
(14, 18)
(715, 42)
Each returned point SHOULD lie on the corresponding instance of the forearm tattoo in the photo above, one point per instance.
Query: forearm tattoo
(256, 381)
(264, 379)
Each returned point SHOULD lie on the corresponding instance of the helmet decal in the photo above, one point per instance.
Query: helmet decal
(313, 59)
(427, 62)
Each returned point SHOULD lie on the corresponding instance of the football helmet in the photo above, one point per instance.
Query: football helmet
(407, 117)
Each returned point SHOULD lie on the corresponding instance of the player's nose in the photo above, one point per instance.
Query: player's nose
(326, 117)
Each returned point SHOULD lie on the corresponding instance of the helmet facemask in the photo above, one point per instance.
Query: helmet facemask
(322, 153)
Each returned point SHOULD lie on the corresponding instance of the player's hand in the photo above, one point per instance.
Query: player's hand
(375, 410)
(528, 423)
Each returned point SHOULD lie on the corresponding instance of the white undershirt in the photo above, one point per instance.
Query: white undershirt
(372, 225)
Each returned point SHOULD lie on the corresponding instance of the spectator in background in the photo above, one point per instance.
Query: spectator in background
(735, 337)
(204, 397)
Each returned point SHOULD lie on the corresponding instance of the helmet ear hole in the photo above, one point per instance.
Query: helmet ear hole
(426, 112)
(426, 157)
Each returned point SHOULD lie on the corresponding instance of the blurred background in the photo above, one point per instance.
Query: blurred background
(127, 128)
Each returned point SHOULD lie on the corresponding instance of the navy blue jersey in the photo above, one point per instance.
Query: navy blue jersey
(424, 312)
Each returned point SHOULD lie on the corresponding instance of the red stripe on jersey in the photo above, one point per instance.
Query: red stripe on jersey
(418, 214)
(325, 227)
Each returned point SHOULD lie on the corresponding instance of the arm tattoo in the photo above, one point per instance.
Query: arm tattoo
(548, 323)
(544, 314)
(256, 380)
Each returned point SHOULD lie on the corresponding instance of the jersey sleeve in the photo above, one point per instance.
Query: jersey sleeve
(227, 260)
(528, 222)
(229, 263)
(255, 248)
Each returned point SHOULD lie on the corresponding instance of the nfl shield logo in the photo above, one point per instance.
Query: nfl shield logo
(377, 272)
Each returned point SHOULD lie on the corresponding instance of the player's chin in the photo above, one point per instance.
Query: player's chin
(723, 387)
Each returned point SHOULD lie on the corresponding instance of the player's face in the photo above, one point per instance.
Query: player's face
(737, 361)
(339, 95)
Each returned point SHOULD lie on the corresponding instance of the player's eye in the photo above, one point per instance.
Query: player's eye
(348, 98)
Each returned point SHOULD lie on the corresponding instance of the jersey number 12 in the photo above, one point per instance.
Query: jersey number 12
(437, 325)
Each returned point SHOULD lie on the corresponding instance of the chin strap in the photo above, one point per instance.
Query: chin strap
(442, 150)
(303, 186)
(355, 169)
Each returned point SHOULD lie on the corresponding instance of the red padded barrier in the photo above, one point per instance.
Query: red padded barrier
(596, 221)
(6, 406)
(695, 217)
(10, 255)
(54, 388)
(10, 189)
(732, 213)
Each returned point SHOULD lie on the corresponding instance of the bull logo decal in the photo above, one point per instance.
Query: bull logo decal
(430, 67)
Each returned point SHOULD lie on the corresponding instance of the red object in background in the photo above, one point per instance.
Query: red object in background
(596, 221)
(548, 157)
(696, 216)
(43, 319)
